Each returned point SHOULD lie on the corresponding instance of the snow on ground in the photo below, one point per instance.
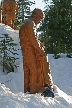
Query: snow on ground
(11, 85)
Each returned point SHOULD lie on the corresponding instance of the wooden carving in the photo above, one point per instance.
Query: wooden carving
(10, 8)
(36, 67)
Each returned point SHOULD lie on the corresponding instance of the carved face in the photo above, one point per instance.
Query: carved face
(37, 15)
(37, 19)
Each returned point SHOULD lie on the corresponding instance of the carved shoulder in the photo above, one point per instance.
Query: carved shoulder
(26, 26)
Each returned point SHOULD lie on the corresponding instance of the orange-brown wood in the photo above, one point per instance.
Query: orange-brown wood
(9, 8)
(35, 65)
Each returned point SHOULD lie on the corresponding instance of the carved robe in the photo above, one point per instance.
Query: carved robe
(36, 67)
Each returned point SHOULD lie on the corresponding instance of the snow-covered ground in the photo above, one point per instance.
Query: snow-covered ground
(11, 85)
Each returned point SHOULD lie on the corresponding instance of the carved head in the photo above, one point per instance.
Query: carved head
(37, 15)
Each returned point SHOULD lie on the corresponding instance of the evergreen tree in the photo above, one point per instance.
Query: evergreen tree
(57, 26)
(24, 11)
(7, 53)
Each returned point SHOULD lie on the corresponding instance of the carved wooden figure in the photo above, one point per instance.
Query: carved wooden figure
(10, 8)
(36, 67)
